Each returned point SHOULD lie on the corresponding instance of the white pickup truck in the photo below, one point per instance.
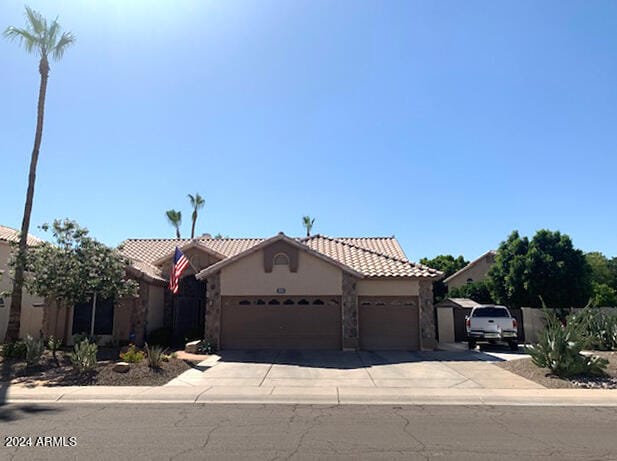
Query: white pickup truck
(491, 324)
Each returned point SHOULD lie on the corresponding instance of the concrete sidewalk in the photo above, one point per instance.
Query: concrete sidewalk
(311, 395)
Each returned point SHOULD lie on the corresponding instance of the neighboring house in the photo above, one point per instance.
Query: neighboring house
(311, 293)
(475, 271)
(31, 307)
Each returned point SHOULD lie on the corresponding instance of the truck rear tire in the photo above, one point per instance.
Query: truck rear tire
(471, 344)
(513, 346)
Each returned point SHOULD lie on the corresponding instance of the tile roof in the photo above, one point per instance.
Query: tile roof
(470, 265)
(8, 234)
(375, 257)
(369, 256)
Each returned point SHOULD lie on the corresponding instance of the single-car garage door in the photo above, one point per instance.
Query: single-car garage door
(388, 323)
(281, 323)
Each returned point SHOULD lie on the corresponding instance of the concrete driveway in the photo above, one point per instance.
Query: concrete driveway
(266, 371)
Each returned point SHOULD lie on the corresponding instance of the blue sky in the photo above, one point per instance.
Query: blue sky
(447, 124)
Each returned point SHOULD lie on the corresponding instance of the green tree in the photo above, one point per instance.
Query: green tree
(603, 295)
(46, 39)
(307, 222)
(76, 268)
(548, 266)
(447, 264)
(175, 219)
(479, 291)
(197, 202)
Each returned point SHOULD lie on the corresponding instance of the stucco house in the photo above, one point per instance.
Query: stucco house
(31, 307)
(296, 293)
(475, 271)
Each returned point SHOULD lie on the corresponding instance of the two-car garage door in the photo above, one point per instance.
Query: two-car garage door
(281, 323)
(315, 323)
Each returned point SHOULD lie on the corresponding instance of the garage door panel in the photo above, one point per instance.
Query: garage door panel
(283, 326)
(388, 323)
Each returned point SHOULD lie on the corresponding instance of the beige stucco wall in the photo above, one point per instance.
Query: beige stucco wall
(156, 305)
(477, 272)
(31, 317)
(376, 287)
(445, 322)
(247, 277)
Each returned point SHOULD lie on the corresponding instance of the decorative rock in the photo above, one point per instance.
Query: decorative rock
(191, 348)
(121, 367)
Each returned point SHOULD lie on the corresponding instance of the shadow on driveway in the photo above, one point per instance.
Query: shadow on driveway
(350, 360)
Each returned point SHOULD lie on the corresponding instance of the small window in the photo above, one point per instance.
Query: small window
(281, 259)
(318, 302)
(288, 302)
(303, 302)
(274, 302)
(1, 302)
(260, 302)
(244, 302)
(469, 280)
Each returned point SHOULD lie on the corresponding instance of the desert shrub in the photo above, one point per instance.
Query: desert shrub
(14, 350)
(160, 337)
(602, 331)
(34, 350)
(132, 354)
(83, 356)
(560, 344)
(155, 356)
(53, 344)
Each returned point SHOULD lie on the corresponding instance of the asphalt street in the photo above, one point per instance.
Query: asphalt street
(270, 432)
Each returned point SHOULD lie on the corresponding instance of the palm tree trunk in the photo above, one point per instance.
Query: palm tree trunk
(193, 226)
(178, 232)
(12, 332)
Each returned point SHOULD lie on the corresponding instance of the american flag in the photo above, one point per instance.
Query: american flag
(180, 263)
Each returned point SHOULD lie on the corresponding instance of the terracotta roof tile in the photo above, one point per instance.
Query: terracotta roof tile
(370, 256)
(8, 234)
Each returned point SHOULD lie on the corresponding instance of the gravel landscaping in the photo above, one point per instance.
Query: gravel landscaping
(47, 373)
(543, 376)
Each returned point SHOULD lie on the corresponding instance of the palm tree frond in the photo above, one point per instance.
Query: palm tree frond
(36, 21)
(66, 40)
(23, 36)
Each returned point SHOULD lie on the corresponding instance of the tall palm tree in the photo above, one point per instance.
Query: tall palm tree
(307, 222)
(197, 202)
(175, 219)
(47, 40)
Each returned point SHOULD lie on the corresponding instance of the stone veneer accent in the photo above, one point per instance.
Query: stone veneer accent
(138, 313)
(427, 316)
(350, 312)
(213, 309)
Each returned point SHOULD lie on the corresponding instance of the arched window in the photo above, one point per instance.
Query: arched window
(318, 302)
(288, 302)
(260, 301)
(469, 280)
(244, 302)
(303, 302)
(274, 302)
(281, 259)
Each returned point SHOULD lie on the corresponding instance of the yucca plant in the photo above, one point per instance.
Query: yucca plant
(602, 331)
(560, 345)
(83, 356)
(155, 356)
(34, 350)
